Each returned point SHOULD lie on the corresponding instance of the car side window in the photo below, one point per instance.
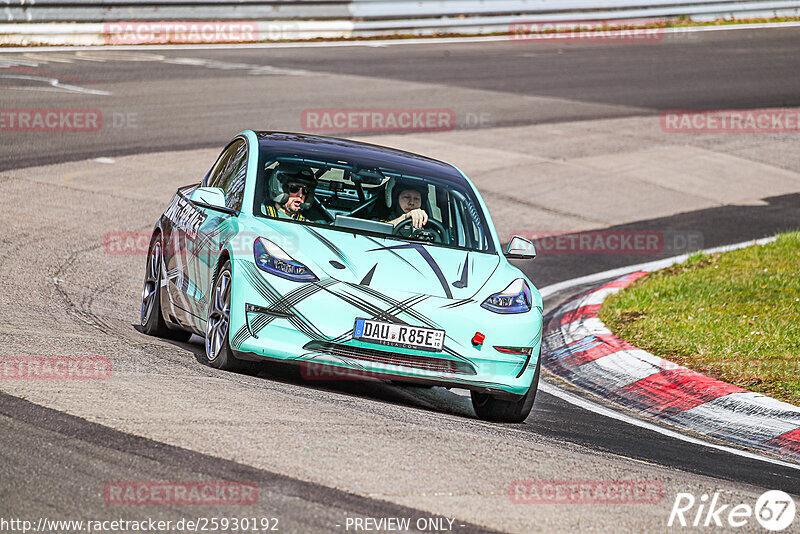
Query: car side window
(213, 179)
(229, 173)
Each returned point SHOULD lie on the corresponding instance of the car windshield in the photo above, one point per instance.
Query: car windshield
(372, 201)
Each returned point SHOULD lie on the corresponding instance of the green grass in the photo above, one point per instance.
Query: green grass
(732, 316)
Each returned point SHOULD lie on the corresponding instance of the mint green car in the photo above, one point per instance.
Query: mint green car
(313, 250)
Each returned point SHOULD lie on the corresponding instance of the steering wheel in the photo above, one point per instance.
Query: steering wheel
(439, 236)
(323, 209)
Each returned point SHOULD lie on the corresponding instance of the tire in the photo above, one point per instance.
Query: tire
(218, 353)
(151, 318)
(490, 408)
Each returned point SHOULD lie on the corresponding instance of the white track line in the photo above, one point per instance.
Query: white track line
(606, 412)
(371, 43)
(613, 414)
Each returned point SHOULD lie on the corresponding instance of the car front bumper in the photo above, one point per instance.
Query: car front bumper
(312, 324)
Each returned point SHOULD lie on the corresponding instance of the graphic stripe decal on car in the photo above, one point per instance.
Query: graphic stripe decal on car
(400, 306)
(283, 305)
(331, 246)
(302, 324)
(458, 303)
(397, 307)
(462, 282)
(298, 320)
(405, 307)
(368, 278)
(395, 254)
(205, 239)
(428, 258)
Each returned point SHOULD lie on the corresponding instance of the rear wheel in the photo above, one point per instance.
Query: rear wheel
(491, 408)
(218, 349)
(151, 317)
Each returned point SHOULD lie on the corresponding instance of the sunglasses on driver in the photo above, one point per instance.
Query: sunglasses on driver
(295, 188)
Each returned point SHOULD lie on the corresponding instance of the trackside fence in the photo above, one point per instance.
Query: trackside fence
(92, 22)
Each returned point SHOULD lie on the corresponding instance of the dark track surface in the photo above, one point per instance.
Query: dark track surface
(693, 71)
(716, 70)
(76, 454)
(181, 106)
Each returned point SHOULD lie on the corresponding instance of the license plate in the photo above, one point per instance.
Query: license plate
(399, 335)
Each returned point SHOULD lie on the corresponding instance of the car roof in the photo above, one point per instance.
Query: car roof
(362, 154)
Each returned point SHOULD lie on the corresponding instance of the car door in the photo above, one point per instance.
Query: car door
(217, 228)
(181, 219)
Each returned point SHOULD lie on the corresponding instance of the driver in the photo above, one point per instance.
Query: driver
(407, 205)
(290, 188)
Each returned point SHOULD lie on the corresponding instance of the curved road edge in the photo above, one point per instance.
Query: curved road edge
(96, 313)
(580, 349)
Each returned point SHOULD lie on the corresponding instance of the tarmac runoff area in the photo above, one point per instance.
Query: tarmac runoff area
(67, 295)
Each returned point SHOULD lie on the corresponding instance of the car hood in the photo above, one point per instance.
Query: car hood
(385, 264)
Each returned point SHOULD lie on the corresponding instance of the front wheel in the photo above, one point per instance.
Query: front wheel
(490, 408)
(218, 349)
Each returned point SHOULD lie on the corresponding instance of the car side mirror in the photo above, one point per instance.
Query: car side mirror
(211, 198)
(519, 248)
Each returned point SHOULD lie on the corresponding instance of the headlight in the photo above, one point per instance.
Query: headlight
(272, 258)
(516, 298)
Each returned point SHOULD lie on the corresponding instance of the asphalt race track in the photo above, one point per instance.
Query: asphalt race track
(200, 98)
(582, 116)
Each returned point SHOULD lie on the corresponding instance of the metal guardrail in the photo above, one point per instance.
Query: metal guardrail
(86, 22)
(366, 10)
(383, 9)
(143, 10)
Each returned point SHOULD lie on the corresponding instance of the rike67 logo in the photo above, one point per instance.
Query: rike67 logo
(774, 510)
